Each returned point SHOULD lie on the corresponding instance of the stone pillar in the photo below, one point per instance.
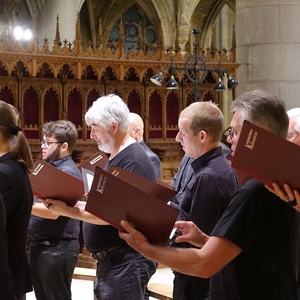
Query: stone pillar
(268, 47)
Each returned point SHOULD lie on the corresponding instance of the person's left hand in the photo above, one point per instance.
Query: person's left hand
(53, 205)
(286, 194)
(133, 237)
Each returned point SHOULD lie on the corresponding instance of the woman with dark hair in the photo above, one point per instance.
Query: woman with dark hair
(15, 164)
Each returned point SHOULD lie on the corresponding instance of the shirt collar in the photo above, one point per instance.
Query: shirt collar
(202, 160)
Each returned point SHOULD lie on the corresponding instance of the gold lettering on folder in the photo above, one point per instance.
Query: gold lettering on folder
(115, 173)
(251, 139)
(96, 159)
(37, 169)
(101, 184)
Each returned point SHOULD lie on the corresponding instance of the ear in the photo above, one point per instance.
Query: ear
(114, 127)
(203, 136)
(137, 131)
(64, 147)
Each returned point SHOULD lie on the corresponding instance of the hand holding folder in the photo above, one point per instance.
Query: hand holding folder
(48, 181)
(114, 199)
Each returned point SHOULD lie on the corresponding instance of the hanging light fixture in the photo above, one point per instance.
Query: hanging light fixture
(232, 83)
(157, 78)
(219, 86)
(172, 84)
(193, 66)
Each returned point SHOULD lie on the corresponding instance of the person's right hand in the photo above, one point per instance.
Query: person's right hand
(190, 233)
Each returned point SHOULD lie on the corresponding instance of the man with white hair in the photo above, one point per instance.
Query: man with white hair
(122, 273)
(136, 131)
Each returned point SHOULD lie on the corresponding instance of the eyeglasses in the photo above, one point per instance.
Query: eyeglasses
(48, 144)
(231, 132)
(290, 133)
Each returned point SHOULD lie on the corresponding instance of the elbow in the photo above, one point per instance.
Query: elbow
(207, 271)
(207, 274)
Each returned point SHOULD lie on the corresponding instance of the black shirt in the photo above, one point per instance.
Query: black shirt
(133, 159)
(265, 228)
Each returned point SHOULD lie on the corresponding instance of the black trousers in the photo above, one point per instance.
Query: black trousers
(52, 267)
(190, 287)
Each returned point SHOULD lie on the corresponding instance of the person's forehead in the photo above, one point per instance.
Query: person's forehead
(237, 119)
(51, 136)
(184, 122)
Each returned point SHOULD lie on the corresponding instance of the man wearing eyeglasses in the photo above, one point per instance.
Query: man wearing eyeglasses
(251, 252)
(54, 244)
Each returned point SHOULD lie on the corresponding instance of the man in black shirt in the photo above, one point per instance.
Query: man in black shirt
(122, 273)
(250, 254)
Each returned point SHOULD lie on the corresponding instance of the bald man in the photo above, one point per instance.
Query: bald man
(136, 131)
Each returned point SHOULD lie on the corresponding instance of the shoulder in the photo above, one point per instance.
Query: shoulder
(68, 166)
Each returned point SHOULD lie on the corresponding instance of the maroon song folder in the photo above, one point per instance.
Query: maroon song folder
(156, 189)
(98, 159)
(267, 157)
(48, 181)
(113, 200)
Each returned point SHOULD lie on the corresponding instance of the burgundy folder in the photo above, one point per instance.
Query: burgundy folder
(98, 159)
(113, 200)
(157, 189)
(48, 181)
(267, 157)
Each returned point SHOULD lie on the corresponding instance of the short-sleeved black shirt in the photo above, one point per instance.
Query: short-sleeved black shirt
(133, 159)
(265, 228)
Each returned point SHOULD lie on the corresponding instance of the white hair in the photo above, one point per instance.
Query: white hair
(106, 110)
(295, 113)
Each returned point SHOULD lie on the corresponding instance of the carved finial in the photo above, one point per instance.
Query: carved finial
(33, 24)
(233, 46)
(177, 47)
(100, 34)
(57, 33)
(213, 40)
(121, 39)
(140, 38)
(160, 47)
(78, 31)
(77, 42)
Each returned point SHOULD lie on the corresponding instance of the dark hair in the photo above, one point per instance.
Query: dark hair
(64, 131)
(264, 110)
(19, 146)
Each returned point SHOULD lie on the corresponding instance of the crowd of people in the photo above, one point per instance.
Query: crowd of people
(234, 242)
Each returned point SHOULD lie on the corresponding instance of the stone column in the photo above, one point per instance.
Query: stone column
(268, 47)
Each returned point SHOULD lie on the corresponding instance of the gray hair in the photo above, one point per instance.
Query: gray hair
(106, 110)
(264, 110)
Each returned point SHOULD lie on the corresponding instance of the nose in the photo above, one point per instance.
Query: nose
(177, 138)
(92, 134)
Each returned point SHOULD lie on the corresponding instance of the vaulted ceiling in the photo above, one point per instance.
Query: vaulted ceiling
(109, 10)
